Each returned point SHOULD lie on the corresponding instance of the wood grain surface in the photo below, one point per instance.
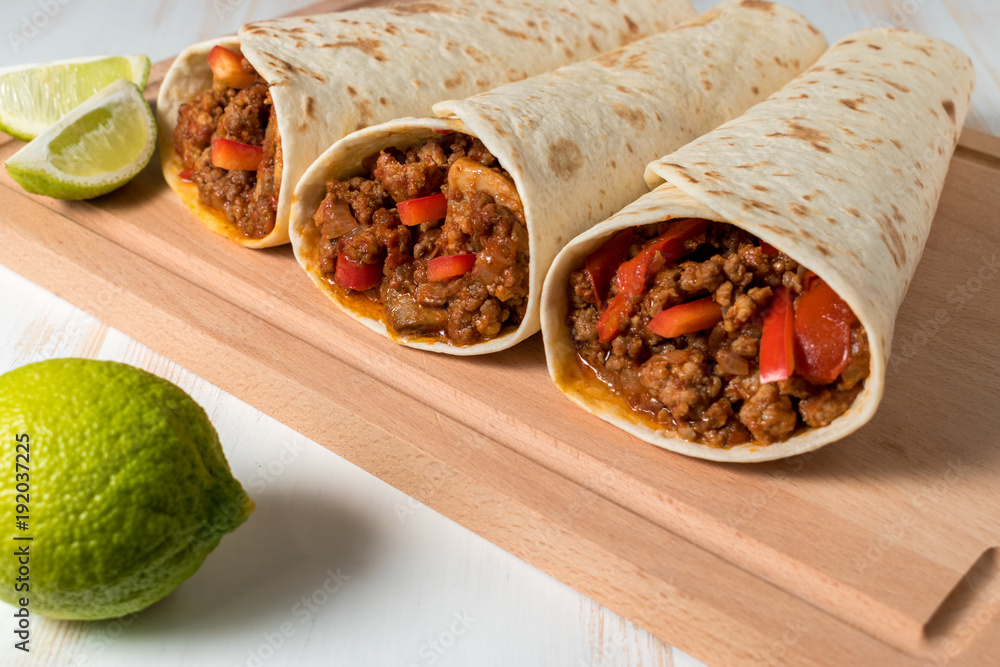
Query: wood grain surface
(877, 550)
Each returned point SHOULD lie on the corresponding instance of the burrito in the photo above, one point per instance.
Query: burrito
(743, 310)
(241, 118)
(438, 231)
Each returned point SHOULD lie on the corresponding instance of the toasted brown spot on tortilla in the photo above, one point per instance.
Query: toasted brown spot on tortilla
(809, 134)
(498, 127)
(565, 158)
(455, 81)
(759, 205)
(517, 34)
(614, 165)
(898, 86)
(593, 43)
(854, 104)
(761, 188)
(949, 107)
(798, 209)
(365, 114)
(634, 117)
(831, 221)
(823, 250)
(706, 84)
(629, 147)
(874, 46)
(831, 177)
(702, 19)
(632, 27)
(351, 91)
(474, 53)
(310, 107)
(755, 90)
(371, 47)
(896, 143)
(758, 4)
(892, 238)
(419, 8)
(383, 101)
(609, 59)
(421, 31)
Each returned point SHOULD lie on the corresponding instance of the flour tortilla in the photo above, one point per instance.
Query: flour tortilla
(841, 170)
(332, 74)
(576, 140)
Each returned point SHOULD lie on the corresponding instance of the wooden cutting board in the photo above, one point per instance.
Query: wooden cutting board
(881, 549)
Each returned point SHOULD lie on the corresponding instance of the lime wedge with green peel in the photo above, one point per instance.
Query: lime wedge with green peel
(97, 147)
(33, 97)
(116, 488)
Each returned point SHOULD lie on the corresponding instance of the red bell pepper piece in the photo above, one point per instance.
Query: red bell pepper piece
(602, 263)
(449, 266)
(615, 318)
(665, 248)
(423, 209)
(686, 318)
(777, 349)
(767, 248)
(822, 332)
(352, 275)
(227, 67)
(186, 176)
(235, 156)
(632, 275)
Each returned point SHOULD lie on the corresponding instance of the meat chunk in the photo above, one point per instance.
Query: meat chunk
(197, 121)
(409, 179)
(484, 217)
(705, 385)
(681, 381)
(248, 199)
(769, 415)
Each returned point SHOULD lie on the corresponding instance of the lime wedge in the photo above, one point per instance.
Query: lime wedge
(95, 148)
(32, 97)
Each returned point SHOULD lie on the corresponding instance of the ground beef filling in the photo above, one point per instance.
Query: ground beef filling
(706, 385)
(249, 199)
(358, 222)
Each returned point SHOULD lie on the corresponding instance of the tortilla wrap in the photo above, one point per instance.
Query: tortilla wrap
(841, 170)
(575, 141)
(332, 74)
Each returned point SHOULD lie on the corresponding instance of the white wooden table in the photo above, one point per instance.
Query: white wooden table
(336, 567)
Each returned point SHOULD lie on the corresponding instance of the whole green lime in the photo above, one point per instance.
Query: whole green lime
(118, 479)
